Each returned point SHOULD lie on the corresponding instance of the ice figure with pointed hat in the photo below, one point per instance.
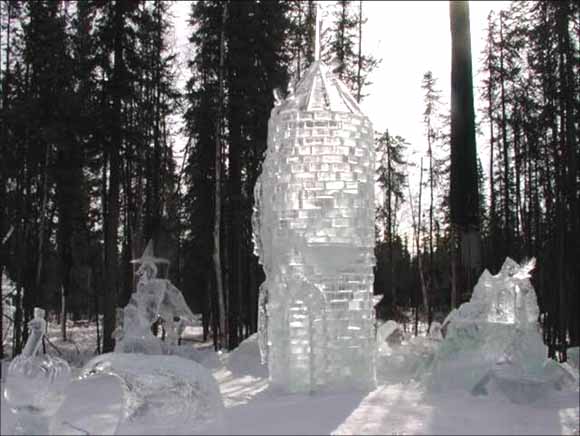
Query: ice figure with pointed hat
(35, 382)
(152, 387)
(154, 298)
(314, 233)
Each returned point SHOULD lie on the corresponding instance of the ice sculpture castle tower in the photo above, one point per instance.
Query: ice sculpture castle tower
(314, 233)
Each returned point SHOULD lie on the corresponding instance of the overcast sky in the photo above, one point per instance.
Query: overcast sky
(411, 37)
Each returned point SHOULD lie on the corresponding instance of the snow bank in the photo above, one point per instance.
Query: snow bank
(245, 359)
(401, 364)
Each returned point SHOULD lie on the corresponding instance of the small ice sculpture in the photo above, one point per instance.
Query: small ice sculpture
(8, 310)
(494, 339)
(314, 233)
(152, 394)
(574, 357)
(389, 334)
(154, 298)
(35, 382)
(400, 358)
(435, 331)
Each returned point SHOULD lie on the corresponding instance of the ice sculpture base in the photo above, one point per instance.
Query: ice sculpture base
(34, 389)
(93, 405)
(407, 361)
(161, 394)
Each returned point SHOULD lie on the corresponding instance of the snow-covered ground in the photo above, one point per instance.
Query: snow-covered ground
(252, 407)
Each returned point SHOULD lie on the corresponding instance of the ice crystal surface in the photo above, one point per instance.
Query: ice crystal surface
(314, 233)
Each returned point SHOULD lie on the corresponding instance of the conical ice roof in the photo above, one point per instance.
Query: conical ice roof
(320, 90)
(148, 255)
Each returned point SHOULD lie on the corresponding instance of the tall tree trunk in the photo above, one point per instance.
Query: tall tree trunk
(112, 217)
(464, 195)
(569, 91)
(157, 170)
(42, 220)
(453, 243)
(360, 59)
(390, 226)
(506, 179)
(218, 200)
(492, 190)
(62, 313)
(236, 240)
(417, 226)
(3, 169)
(431, 204)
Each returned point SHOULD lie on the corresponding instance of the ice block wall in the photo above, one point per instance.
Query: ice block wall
(314, 233)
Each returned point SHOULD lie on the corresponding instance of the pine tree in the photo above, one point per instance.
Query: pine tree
(392, 180)
(432, 119)
(343, 47)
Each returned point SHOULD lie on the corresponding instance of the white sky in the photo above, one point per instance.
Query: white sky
(411, 37)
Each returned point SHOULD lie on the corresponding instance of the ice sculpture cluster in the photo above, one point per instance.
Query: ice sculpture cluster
(35, 383)
(159, 395)
(314, 233)
(154, 298)
(494, 341)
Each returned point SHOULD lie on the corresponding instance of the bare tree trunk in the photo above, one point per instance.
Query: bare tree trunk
(390, 226)
(453, 242)
(42, 216)
(112, 218)
(62, 313)
(359, 66)
(506, 208)
(431, 201)
(464, 189)
(218, 202)
(417, 227)
(4, 137)
(492, 190)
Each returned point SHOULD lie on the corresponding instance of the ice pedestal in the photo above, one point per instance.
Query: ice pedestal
(35, 383)
(158, 395)
(401, 359)
(574, 357)
(389, 334)
(494, 340)
(435, 331)
(314, 233)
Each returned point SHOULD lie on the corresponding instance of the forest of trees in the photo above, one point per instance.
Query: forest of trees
(90, 115)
